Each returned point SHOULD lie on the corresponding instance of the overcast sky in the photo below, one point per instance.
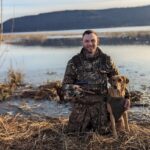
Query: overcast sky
(17, 8)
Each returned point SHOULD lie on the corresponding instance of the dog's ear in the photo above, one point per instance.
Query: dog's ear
(126, 80)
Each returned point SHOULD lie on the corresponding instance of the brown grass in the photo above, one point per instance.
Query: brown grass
(15, 79)
(35, 133)
(31, 36)
(39, 36)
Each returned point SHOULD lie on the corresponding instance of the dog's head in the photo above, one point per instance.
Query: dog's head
(119, 82)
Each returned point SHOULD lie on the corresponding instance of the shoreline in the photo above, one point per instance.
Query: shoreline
(74, 38)
(28, 128)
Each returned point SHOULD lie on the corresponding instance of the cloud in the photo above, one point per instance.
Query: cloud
(26, 7)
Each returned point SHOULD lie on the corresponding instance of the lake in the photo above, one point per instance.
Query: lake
(40, 64)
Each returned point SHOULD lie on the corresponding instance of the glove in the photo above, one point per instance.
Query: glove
(72, 91)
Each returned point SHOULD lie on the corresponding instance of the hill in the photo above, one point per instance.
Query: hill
(80, 19)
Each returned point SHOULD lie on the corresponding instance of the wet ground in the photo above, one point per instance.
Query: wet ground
(28, 107)
(47, 108)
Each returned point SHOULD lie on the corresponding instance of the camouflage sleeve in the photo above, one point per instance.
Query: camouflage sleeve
(112, 69)
(70, 73)
(68, 84)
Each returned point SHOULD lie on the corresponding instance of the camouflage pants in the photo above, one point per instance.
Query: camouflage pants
(89, 114)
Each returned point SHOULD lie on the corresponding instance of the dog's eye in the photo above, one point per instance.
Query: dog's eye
(119, 80)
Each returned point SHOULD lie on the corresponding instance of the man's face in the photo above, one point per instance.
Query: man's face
(90, 42)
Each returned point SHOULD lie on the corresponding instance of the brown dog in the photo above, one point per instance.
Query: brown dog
(115, 104)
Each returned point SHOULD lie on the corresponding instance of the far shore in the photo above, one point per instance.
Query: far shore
(74, 38)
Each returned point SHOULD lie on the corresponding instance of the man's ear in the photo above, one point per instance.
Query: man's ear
(98, 40)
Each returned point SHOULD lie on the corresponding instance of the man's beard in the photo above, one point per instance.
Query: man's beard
(89, 54)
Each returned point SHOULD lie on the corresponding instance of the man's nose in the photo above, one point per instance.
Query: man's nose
(90, 43)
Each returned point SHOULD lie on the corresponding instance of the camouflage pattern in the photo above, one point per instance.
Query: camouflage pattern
(91, 116)
(92, 74)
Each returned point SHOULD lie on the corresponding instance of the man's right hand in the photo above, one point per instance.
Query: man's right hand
(77, 88)
(80, 90)
(73, 91)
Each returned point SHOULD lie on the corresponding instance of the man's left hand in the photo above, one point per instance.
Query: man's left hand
(127, 104)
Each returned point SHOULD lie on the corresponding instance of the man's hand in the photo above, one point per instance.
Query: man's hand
(77, 88)
(72, 91)
(127, 104)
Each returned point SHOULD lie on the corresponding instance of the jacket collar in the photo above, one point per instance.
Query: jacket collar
(96, 55)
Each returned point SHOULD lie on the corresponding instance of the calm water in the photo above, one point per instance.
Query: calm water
(40, 64)
(37, 63)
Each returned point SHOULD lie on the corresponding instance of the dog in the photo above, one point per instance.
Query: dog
(116, 101)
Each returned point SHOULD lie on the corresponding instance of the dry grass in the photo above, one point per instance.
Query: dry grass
(42, 36)
(50, 90)
(5, 92)
(14, 87)
(15, 79)
(31, 36)
(33, 133)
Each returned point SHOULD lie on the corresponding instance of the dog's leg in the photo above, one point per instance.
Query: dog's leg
(112, 119)
(125, 117)
(120, 125)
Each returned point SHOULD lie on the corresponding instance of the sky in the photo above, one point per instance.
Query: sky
(17, 8)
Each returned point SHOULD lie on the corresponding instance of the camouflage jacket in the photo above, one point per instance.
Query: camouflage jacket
(90, 73)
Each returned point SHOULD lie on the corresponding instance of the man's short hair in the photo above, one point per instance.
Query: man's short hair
(89, 32)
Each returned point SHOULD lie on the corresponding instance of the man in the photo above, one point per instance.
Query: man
(85, 82)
